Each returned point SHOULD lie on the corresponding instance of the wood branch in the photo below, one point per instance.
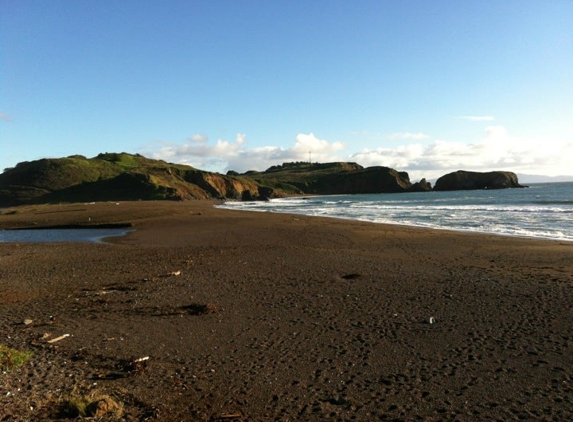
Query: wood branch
(58, 338)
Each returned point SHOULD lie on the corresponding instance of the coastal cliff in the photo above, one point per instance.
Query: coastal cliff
(127, 177)
(119, 177)
(337, 178)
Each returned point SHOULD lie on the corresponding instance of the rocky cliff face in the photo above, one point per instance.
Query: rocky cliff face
(470, 180)
(368, 180)
(126, 177)
(119, 177)
(337, 179)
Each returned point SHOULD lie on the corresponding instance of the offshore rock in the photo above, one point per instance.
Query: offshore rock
(421, 186)
(471, 180)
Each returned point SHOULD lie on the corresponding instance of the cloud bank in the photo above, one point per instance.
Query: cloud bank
(497, 150)
(225, 155)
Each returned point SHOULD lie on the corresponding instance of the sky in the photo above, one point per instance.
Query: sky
(426, 87)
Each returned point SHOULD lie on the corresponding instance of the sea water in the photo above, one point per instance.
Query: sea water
(543, 210)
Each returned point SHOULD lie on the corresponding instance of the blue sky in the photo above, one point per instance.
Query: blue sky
(422, 86)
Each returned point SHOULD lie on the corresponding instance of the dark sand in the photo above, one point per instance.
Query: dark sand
(282, 317)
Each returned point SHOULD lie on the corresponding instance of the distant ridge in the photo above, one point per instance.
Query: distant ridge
(128, 177)
(532, 178)
(122, 176)
(336, 178)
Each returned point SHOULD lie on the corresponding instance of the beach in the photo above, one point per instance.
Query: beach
(206, 314)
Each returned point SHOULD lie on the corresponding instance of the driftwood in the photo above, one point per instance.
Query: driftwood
(230, 416)
(58, 338)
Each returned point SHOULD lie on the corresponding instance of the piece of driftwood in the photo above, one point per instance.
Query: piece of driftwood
(230, 416)
(54, 340)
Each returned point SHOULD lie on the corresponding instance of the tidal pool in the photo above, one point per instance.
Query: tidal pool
(61, 235)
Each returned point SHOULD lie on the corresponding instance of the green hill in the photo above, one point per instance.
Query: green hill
(115, 177)
(112, 176)
(336, 178)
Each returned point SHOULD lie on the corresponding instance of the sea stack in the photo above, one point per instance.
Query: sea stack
(471, 180)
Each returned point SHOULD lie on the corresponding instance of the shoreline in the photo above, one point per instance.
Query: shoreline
(414, 226)
(543, 213)
(285, 317)
(25, 223)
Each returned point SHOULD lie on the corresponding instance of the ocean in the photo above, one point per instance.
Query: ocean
(543, 210)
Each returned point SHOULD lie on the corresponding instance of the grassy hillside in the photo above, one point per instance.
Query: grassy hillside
(332, 178)
(113, 176)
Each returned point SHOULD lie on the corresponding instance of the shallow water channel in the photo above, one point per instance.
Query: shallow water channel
(61, 235)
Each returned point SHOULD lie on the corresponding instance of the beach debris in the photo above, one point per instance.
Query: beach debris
(431, 320)
(126, 368)
(40, 339)
(28, 321)
(131, 366)
(104, 292)
(352, 276)
(169, 274)
(198, 309)
(54, 340)
(230, 416)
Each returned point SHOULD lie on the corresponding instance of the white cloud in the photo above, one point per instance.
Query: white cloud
(225, 155)
(407, 135)
(197, 152)
(305, 143)
(199, 138)
(497, 150)
(477, 118)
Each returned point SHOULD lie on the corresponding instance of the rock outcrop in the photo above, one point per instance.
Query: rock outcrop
(126, 177)
(119, 177)
(421, 186)
(337, 178)
(471, 180)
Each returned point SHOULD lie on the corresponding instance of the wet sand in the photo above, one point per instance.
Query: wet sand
(261, 317)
